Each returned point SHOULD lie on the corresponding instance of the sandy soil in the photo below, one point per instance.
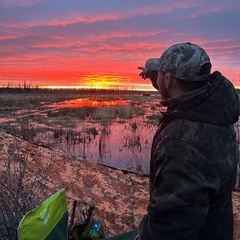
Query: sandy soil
(120, 198)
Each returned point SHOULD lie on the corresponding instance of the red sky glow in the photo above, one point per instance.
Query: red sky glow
(100, 44)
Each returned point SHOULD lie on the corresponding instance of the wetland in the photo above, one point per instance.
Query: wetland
(113, 128)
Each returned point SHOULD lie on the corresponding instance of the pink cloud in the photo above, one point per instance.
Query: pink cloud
(112, 39)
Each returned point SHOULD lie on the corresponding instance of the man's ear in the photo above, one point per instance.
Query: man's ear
(168, 80)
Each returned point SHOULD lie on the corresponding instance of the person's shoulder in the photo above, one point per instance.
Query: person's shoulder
(178, 128)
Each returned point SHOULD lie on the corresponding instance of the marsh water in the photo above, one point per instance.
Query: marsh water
(113, 131)
(122, 143)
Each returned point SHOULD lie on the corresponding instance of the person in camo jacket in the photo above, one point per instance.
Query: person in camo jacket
(194, 152)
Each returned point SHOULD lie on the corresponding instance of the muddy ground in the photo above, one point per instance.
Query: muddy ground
(120, 198)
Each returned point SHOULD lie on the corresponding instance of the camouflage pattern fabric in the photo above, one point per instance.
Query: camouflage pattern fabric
(183, 61)
(193, 166)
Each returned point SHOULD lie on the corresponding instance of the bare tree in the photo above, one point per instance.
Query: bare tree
(22, 187)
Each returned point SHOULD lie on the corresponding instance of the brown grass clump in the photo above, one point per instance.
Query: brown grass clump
(80, 113)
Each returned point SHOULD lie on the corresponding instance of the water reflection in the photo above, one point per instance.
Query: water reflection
(103, 145)
(121, 145)
(82, 102)
(116, 133)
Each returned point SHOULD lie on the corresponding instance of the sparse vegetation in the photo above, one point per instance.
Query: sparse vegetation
(57, 127)
(80, 113)
(22, 187)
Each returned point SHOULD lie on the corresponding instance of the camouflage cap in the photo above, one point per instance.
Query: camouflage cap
(183, 61)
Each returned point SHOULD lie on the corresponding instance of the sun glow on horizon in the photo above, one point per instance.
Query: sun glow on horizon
(57, 79)
(72, 79)
(96, 44)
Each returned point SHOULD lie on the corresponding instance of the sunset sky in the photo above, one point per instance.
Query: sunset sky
(100, 43)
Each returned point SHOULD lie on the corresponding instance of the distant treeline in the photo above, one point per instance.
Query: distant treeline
(39, 90)
(20, 90)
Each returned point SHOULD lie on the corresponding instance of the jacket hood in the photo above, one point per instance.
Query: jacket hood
(217, 104)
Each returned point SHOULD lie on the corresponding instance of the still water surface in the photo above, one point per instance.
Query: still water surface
(123, 144)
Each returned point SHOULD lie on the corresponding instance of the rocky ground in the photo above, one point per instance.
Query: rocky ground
(120, 198)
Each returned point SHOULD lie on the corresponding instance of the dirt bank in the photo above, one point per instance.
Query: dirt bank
(120, 198)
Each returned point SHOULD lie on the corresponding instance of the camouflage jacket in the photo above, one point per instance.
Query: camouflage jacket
(193, 166)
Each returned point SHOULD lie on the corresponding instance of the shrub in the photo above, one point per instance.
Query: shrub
(22, 187)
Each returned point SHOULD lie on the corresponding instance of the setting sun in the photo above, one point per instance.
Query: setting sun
(86, 45)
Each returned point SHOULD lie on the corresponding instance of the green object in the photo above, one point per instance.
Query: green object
(93, 230)
(49, 221)
(125, 236)
(94, 234)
